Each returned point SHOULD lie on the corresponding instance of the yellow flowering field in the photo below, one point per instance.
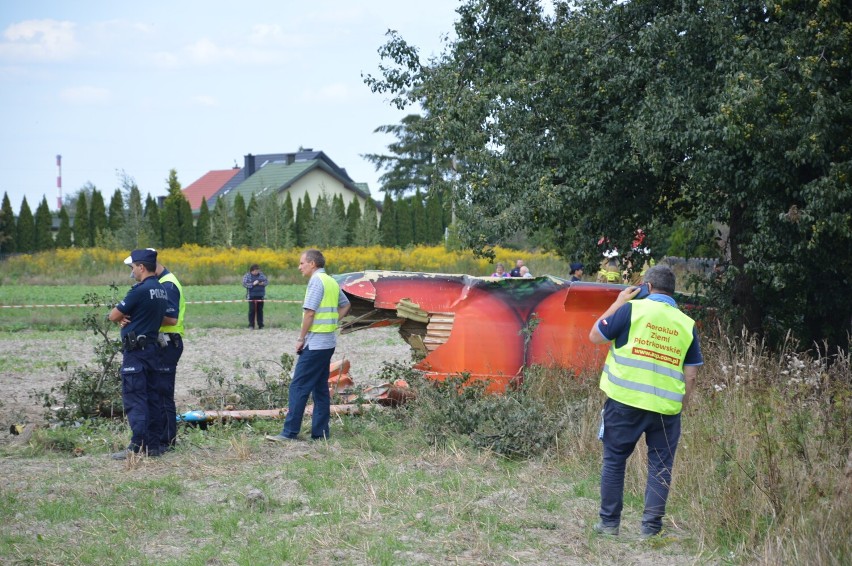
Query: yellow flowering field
(204, 265)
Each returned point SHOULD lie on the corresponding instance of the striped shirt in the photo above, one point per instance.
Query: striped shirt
(313, 298)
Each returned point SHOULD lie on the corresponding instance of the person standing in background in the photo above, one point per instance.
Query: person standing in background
(576, 272)
(255, 283)
(499, 271)
(516, 272)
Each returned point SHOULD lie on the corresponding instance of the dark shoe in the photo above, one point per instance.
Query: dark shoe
(646, 534)
(282, 438)
(602, 529)
(123, 455)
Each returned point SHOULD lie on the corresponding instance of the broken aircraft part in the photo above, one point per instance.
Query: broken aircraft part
(490, 328)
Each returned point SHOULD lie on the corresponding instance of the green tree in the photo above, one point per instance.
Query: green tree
(154, 225)
(404, 222)
(304, 219)
(367, 230)
(240, 237)
(116, 212)
(63, 236)
(353, 217)
(434, 218)
(8, 229)
(202, 225)
(176, 220)
(328, 227)
(97, 216)
(420, 228)
(288, 223)
(265, 221)
(338, 210)
(221, 224)
(81, 221)
(134, 233)
(44, 227)
(26, 229)
(412, 161)
(187, 222)
(612, 116)
(388, 227)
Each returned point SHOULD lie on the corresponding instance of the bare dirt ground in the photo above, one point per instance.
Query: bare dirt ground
(29, 361)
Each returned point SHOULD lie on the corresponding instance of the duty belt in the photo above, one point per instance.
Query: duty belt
(133, 342)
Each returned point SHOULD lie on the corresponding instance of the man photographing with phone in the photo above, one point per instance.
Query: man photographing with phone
(648, 377)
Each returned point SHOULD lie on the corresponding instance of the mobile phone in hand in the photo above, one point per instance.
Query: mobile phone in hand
(643, 291)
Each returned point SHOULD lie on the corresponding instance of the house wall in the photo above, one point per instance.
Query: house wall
(317, 181)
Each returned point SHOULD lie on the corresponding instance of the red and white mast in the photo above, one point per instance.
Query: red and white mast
(59, 182)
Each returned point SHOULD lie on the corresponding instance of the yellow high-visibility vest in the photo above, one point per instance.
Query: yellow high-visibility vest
(647, 371)
(177, 328)
(325, 318)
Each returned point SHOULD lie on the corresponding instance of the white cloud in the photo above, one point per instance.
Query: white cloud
(85, 95)
(47, 40)
(206, 51)
(205, 100)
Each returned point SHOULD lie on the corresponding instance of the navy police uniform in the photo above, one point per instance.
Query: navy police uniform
(145, 305)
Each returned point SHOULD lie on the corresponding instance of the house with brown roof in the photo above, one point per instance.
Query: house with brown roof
(207, 186)
(305, 172)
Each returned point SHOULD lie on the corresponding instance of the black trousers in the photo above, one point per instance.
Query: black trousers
(256, 312)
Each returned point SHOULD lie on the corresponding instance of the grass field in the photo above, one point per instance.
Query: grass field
(218, 315)
(762, 473)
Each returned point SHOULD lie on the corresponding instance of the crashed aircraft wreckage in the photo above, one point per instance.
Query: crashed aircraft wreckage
(488, 327)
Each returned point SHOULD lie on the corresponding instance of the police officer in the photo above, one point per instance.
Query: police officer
(324, 305)
(648, 377)
(140, 315)
(171, 348)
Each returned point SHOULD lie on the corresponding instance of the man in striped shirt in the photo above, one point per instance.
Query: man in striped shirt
(324, 305)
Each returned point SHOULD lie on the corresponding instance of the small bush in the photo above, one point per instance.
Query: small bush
(90, 390)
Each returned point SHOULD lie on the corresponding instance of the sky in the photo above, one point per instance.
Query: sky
(139, 88)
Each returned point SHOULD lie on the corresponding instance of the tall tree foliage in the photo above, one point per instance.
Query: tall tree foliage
(221, 225)
(389, 228)
(8, 230)
(26, 240)
(288, 223)
(134, 234)
(177, 223)
(81, 221)
(116, 212)
(304, 220)
(353, 217)
(328, 228)
(611, 116)
(153, 223)
(240, 232)
(367, 230)
(63, 236)
(202, 225)
(265, 221)
(44, 227)
(412, 160)
(97, 216)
